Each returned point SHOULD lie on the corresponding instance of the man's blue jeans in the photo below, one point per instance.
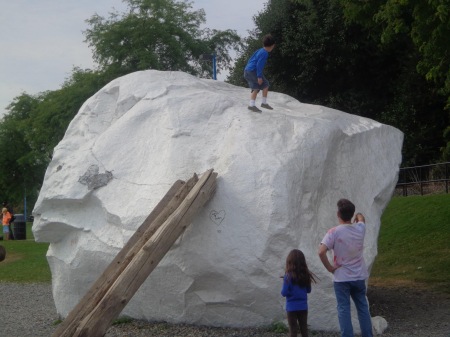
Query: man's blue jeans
(357, 291)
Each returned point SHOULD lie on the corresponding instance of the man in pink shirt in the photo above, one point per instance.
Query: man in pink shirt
(348, 268)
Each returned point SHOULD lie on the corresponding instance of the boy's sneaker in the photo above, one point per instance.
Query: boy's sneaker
(266, 106)
(254, 109)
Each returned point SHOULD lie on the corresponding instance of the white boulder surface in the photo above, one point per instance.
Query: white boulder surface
(281, 173)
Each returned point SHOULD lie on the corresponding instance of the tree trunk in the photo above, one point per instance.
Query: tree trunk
(160, 213)
(141, 259)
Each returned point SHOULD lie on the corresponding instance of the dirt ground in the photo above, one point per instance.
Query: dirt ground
(28, 310)
(411, 311)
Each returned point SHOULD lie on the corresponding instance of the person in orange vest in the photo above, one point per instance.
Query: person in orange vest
(5, 221)
(11, 211)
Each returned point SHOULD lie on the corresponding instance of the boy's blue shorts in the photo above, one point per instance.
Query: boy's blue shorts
(252, 80)
(6, 229)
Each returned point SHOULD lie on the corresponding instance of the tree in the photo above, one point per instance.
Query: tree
(19, 169)
(426, 23)
(161, 35)
(50, 118)
(446, 149)
(154, 34)
(32, 128)
(318, 58)
(323, 58)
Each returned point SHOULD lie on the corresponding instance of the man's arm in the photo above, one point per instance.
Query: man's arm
(324, 258)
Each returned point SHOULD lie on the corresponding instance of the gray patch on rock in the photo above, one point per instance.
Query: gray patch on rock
(93, 179)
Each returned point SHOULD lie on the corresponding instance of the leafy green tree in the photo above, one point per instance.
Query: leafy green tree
(50, 118)
(446, 149)
(20, 172)
(318, 58)
(161, 35)
(156, 34)
(31, 129)
(323, 58)
(427, 25)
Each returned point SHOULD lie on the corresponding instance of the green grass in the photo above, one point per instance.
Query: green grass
(278, 327)
(25, 260)
(414, 243)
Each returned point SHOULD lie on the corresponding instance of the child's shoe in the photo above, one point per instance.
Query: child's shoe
(254, 109)
(266, 106)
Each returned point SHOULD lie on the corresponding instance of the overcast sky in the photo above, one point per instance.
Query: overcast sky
(41, 41)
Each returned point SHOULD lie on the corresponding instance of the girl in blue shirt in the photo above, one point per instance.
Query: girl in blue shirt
(296, 286)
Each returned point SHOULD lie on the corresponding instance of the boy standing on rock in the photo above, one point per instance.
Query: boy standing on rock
(253, 73)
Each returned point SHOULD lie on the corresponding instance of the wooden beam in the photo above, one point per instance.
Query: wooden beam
(160, 213)
(146, 260)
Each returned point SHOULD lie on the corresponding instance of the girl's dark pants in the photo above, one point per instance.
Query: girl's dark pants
(301, 317)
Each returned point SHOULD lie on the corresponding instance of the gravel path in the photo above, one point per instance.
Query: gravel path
(27, 310)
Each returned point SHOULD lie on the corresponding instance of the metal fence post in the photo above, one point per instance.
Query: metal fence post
(420, 180)
(446, 178)
(420, 176)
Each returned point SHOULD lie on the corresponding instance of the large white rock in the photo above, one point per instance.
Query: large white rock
(281, 173)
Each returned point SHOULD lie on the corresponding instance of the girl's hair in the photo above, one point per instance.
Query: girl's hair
(297, 269)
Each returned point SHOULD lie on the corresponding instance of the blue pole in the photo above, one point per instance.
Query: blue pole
(25, 203)
(214, 67)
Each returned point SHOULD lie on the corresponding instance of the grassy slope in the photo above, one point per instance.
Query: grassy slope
(414, 242)
(25, 260)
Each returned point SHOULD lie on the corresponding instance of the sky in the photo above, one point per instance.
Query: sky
(41, 41)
